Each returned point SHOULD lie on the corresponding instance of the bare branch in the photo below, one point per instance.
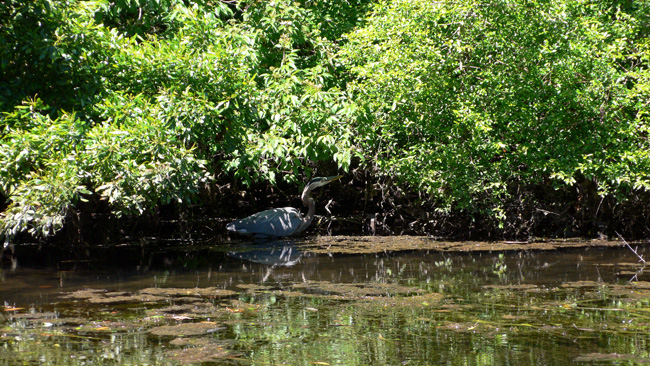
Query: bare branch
(633, 250)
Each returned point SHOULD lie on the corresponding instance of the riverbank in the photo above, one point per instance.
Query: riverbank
(377, 244)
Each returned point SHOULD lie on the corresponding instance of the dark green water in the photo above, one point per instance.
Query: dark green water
(240, 304)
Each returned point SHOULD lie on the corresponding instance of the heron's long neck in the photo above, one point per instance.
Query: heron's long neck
(308, 202)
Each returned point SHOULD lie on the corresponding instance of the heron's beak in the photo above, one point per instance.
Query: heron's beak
(331, 179)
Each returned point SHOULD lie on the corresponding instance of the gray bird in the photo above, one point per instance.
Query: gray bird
(283, 221)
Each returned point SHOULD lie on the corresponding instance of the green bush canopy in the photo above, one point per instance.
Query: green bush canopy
(473, 106)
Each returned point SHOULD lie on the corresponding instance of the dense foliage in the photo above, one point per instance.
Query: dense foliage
(472, 104)
(472, 100)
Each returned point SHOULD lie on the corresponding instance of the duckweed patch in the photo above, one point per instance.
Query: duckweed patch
(185, 329)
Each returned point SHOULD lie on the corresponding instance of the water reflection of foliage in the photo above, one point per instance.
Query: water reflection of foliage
(400, 309)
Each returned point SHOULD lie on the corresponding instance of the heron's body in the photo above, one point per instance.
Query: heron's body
(275, 222)
(281, 221)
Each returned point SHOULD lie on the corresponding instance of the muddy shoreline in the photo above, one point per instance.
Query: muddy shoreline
(379, 244)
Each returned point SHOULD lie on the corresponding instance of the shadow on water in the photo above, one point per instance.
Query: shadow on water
(279, 302)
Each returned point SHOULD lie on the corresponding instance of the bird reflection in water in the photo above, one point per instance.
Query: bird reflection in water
(282, 253)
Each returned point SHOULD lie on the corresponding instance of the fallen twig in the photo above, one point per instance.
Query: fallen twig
(633, 250)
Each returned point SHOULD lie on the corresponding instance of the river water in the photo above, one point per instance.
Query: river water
(277, 303)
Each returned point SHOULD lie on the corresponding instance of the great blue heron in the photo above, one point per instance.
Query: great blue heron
(282, 221)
